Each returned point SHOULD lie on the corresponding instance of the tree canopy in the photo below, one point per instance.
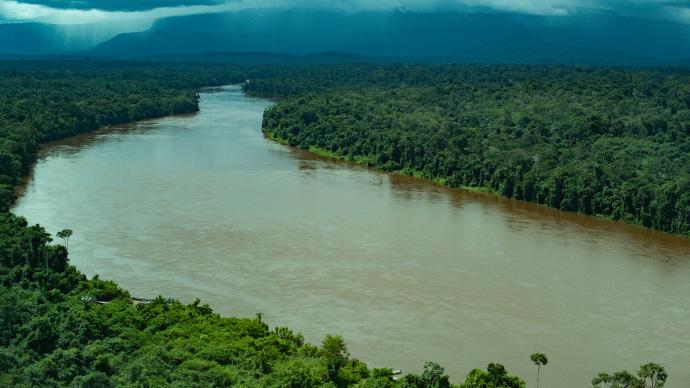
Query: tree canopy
(602, 141)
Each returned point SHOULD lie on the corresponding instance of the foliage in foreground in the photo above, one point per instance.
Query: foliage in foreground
(58, 328)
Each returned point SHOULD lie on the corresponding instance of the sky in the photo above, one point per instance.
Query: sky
(141, 13)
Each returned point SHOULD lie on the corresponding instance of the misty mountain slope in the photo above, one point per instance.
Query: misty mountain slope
(587, 39)
(524, 47)
(304, 31)
(635, 36)
(263, 58)
(40, 38)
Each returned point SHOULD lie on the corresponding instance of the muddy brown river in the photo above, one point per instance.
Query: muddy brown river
(204, 206)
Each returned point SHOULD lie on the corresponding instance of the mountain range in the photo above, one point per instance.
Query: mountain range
(594, 38)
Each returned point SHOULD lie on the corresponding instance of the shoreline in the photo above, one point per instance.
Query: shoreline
(440, 182)
(20, 187)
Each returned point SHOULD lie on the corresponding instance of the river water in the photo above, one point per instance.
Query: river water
(204, 206)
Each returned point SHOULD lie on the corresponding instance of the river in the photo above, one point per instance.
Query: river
(204, 206)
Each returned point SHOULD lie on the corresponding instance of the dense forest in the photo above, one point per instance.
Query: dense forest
(42, 101)
(612, 142)
(59, 328)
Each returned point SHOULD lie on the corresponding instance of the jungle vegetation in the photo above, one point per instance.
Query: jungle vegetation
(58, 328)
(42, 101)
(612, 142)
(497, 127)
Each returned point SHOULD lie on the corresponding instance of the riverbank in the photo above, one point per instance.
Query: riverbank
(369, 163)
(570, 139)
(52, 122)
(121, 340)
(161, 355)
(205, 206)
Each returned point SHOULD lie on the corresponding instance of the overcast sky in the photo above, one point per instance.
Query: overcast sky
(146, 11)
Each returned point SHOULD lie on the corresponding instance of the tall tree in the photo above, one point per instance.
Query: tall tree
(65, 234)
(539, 359)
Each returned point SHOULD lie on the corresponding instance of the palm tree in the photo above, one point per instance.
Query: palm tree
(539, 359)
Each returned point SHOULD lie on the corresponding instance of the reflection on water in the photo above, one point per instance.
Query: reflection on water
(203, 205)
(519, 215)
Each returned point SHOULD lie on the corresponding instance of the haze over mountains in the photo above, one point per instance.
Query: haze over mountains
(41, 38)
(586, 38)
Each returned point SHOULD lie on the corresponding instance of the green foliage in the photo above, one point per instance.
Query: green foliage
(433, 377)
(54, 332)
(59, 328)
(600, 141)
(334, 347)
(65, 234)
(42, 101)
(495, 376)
(539, 359)
(649, 375)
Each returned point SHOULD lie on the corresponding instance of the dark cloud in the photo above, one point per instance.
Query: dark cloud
(530, 6)
(84, 11)
(119, 5)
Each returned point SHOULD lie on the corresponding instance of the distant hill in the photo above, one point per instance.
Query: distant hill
(586, 39)
(522, 47)
(260, 57)
(298, 34)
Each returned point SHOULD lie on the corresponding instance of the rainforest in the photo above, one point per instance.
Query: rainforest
(600, 141)
(610, 142)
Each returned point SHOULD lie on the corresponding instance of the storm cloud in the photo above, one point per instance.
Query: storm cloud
(90, 11)
(119, 5)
